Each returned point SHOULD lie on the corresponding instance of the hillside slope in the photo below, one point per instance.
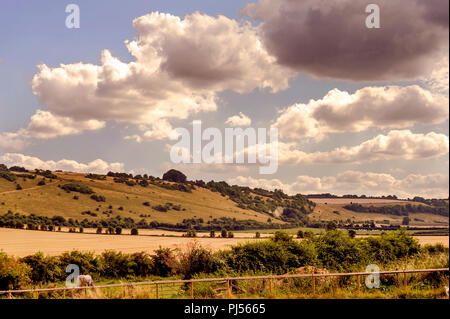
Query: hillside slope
(120, 199)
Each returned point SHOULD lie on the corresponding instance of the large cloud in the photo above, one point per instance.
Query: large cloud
(354, 182)
(395, 145)
(45, 125)
(180, 65)
(381, 107)
(330, 38)
(30, 162)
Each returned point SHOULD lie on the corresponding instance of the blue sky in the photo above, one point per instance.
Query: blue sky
(34, 32)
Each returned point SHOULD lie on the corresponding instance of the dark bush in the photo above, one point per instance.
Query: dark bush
(174, 176)
(164, 262)
(196, 260)
(98, 198)
(83, 189)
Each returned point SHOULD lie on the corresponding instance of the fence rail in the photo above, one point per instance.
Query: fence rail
(159, 285)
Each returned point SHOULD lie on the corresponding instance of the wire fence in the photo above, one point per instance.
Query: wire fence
(222, 287)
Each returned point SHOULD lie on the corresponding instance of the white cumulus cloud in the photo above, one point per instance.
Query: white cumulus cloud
(97, 166)
(381, 107)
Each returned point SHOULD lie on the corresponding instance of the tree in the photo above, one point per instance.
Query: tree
(118, 230)
(352, 233)
(212, 234)
(174, 176)
(224, 233)
(331, 226)
(281, 236)
(406, 220)
(99, 230)
(300, 234)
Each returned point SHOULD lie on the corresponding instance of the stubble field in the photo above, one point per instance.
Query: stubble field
(26, 242)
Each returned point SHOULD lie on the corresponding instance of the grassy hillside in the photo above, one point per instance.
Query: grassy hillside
(121, 199)
(145, 198)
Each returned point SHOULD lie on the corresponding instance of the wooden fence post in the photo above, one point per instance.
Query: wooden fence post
(270, 284)
(358, 283)
(157, 291)
(405, 281)
(192, 290)
(313, 281)
(228, 289)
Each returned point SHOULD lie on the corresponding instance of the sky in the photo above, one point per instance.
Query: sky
(358, 110)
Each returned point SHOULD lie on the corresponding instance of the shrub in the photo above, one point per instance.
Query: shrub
(391, 246)
(13, 273)
(115, 264)
(98, 198)
(81, 229)
(436, 248)
(281, 236)
(300, 234)
(134, 231)
(118, 230)
(212, 234)
(174, 176)
(18, 187)
(339, 252)
(164, 262)
(196, 260)
(41, 182)
(160, 208)
(223, 233)
(44, 269)
(8, 176)
(83, 189)
(258, 234)
(99, 230)
(142, 264)
(352, 233)
(230, 234)
(88, 262)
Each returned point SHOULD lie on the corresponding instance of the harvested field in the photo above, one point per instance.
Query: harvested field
(25, 242)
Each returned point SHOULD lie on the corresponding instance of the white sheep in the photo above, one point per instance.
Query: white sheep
(85, 280)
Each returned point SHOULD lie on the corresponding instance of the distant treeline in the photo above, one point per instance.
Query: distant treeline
(401, 210)
(34, 222)
(328, 195)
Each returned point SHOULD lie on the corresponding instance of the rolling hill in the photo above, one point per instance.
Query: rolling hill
(150, 202)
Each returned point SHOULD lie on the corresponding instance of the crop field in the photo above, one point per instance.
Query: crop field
(26, 242)
(329, 210)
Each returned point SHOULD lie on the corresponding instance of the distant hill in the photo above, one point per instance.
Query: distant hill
(146, 199)
(143, 201)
